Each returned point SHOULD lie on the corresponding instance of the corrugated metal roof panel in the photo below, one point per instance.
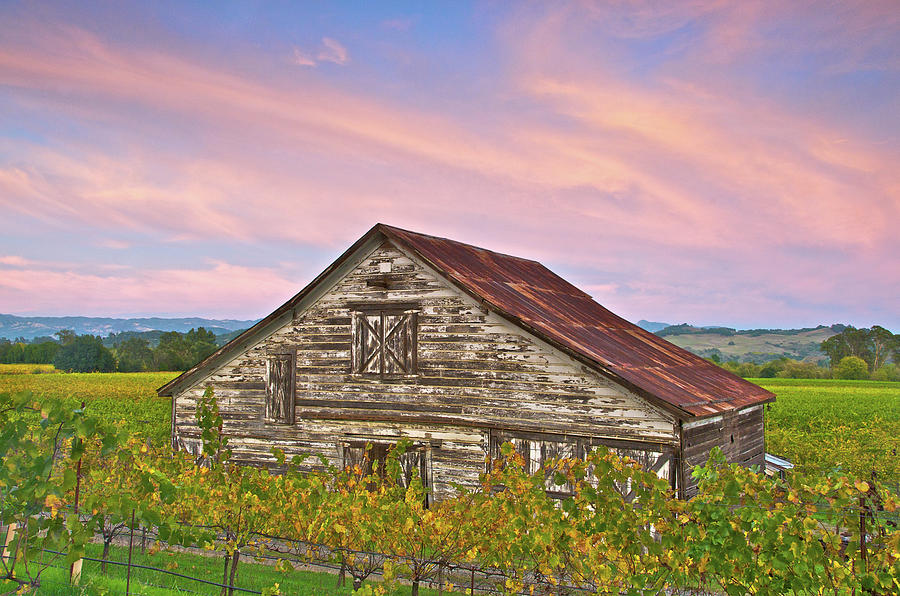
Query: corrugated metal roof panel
(529, 293)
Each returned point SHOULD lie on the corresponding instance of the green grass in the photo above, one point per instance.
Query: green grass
(128, 399)
(821, 424)
(251, 575)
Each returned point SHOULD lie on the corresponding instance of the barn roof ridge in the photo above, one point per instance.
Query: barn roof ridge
(554, 310)
(383, 226)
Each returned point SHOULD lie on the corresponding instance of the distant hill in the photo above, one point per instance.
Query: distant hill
(12, 326)
(751, 345)
(652, 326)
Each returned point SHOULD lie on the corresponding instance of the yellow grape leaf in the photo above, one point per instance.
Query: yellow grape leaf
(862, 486)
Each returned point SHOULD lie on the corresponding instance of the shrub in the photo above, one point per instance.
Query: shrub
(851, 367)
(888, 372)
(794, 369)
(771, 369)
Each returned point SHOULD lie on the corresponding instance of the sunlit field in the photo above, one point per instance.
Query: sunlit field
(128, 399)
(822, 424)
(26, 369)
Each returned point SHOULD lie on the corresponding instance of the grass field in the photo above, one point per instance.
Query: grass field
(253, 576)
(820, 424)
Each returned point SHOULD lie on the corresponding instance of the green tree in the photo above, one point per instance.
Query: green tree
(202, 342)
(134, 355)
(851, 367)
(888, 372)
(181, 351)
(85, 353)
(14, 354)
(883, 342)
(42, 353)
(797, 369)
(66, 336)
(172, 353)
(872, 345)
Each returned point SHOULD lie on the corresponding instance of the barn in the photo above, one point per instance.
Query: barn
(459, 349)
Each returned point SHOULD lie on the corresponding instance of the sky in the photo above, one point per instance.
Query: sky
(712, 162)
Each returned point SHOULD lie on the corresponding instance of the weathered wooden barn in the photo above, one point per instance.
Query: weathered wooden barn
(459, 349)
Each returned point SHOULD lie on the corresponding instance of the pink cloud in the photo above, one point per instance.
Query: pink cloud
(333, 51)
(301, 58)
(216, 289)
(15, 261)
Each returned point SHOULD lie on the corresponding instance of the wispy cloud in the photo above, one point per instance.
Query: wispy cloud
(114, 244)
(15, 261)
(398, 24)
(302, 58)
(330, 50)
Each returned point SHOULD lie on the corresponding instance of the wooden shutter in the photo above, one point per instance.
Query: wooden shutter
(280, 388)
(355, 457)
(367, 457)
(537, 450)
(521, 446)
(398, 347)
(413, 465)
(551, 450)
(384, 343)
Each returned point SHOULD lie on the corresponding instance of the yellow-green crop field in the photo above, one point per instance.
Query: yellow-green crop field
(819, 424)
(128, 399)
(26, 369)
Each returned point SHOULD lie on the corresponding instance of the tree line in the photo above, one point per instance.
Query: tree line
(865, 353)
(87, 353)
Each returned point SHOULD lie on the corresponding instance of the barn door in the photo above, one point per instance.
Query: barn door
(280, 388)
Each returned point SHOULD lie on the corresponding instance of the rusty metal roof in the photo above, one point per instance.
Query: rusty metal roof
(550, 307)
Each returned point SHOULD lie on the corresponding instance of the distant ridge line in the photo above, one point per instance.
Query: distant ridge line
(13, 326)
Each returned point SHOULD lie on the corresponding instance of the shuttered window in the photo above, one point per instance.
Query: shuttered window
(364, 459)
(538, 451)
(280, 388)
(384, 343)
